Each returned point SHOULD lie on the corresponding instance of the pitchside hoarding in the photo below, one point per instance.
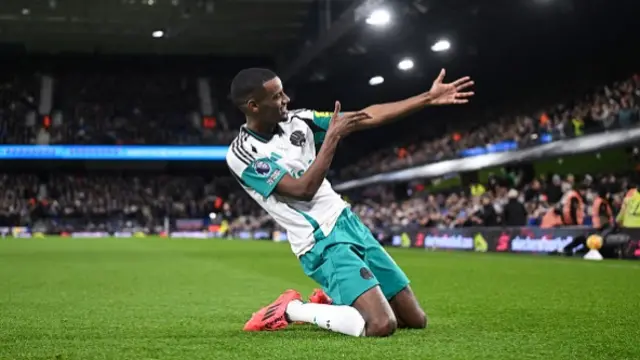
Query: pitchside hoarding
(489, 239)
(517, 239)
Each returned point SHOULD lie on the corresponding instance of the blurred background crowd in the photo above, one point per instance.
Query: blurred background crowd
(162, 110)
(614, 106)
(108, 110)
(67, 202)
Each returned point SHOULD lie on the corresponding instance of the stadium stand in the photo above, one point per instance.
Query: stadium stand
(614, 106)
(119, 109)
(17, 100)
(106, 202)
(451, 209)
(112, 109)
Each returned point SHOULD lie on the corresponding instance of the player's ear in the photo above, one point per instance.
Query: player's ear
(252, 106)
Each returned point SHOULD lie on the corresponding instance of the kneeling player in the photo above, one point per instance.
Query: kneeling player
(274, 159)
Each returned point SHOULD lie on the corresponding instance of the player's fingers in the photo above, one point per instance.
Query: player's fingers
(465, 94)
(461, 101)
(336, 109)
(462, 81)
(464, 86)
(440, 77)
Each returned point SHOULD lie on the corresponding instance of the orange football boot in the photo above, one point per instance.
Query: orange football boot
(272, 317)
(320, 297)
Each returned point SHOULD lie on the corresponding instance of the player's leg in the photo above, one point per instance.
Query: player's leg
(370, 315)
(393, 281)
(344, 276)
(407, 310)
(377, 313)
(288, 308)
(404, 304)
(395, 286)
(338, 318)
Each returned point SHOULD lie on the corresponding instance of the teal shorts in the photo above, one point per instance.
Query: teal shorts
(350, 261)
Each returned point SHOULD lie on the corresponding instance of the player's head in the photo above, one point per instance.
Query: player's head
(259, 95)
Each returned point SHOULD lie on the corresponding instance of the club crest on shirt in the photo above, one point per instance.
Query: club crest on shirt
(262, 167)
(297, 138)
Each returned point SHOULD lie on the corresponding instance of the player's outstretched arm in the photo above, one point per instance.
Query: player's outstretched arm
(439, 94)
(307, 185)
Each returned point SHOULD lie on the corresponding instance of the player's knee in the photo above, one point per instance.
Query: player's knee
(382, 326)
(418, 320)
(421, 320)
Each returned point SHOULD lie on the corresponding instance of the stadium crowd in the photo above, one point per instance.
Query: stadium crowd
(110, 109)
(611, 107)
(62, 202)
(503, 203)
(105, 201)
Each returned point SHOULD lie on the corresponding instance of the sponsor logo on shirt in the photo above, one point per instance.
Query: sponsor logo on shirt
(262, 167)
(272, 179)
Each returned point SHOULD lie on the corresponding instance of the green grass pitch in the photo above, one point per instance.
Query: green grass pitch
(188, 299)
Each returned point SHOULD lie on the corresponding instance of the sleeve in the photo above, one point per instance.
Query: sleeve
(318, 121)
(261, 174)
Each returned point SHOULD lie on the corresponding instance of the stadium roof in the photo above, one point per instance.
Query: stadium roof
(524, 55)
(238, 27)
(484, 35)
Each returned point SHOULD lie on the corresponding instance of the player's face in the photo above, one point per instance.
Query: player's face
(272, 106)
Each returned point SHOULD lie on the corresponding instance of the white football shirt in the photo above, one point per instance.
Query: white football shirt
(259, 161)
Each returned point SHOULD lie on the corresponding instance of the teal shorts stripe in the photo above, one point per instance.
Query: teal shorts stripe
(317, 232)
(350, 261)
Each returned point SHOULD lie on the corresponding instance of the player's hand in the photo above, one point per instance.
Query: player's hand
(452, 93)
(343, 125)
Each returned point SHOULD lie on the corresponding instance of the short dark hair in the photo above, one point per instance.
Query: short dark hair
(247, 82)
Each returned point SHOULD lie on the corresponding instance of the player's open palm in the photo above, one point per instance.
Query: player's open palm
(451, 93)
(344, 124)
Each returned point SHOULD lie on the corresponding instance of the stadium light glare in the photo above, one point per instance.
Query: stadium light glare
(157, 34)
(376, 80)
(405, 64)
(441, 45)
(379, 17)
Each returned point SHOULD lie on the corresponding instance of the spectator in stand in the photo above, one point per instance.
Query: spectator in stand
(532, 192)
(555, 191)
(487, 214)
(514, 213)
